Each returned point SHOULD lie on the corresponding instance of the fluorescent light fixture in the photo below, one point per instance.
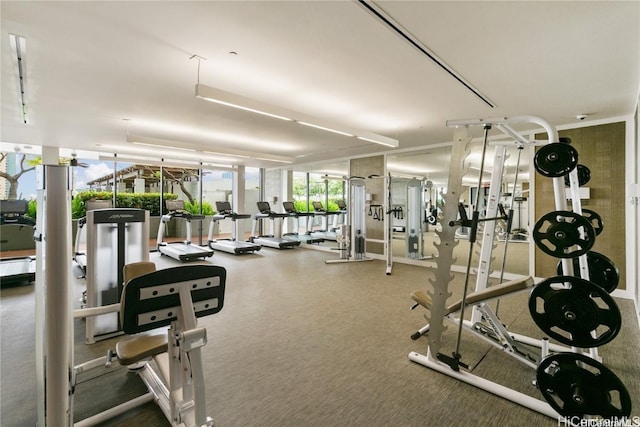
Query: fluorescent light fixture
(388, 144)
(228, 99)
(231, 155)
(272, 159)
(163, 146)
(251, 156)
(325, 128)
(18, 51)
(157, 161)
(217, 153)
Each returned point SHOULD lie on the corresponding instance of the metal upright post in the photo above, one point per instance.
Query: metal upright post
(54, 320)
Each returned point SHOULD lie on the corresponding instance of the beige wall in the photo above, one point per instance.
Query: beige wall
(602, 149)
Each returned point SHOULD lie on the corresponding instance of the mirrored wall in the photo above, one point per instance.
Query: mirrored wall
(418, 181)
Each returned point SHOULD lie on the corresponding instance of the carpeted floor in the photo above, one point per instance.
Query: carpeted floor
(301, 343)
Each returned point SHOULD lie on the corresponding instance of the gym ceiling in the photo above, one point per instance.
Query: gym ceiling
(100, 76)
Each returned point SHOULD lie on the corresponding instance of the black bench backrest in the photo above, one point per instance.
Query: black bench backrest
(152, 300)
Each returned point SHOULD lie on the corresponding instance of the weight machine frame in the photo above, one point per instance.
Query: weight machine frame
(352, 235)
(438, 312)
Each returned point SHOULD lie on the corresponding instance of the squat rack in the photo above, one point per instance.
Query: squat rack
(437, 313)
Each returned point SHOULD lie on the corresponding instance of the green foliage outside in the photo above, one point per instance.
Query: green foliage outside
(147, 201)
(334, 187)
(32, 208)
(194, 208)
(301, 205)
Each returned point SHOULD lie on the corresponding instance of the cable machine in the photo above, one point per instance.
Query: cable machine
(351, 237)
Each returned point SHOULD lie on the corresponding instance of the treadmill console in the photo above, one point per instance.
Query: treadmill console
(289, 207)
(174, 205)
(224, 208)
(317, 206)
(264, 207)
(13, 212)
(176, 210)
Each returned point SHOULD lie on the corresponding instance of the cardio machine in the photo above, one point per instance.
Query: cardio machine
(270, 240)
(182, 251)
(325, 232)
(290, 208)
(232, 246)
(17, 269)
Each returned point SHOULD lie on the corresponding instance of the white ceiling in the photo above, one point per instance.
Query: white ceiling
(90, 65)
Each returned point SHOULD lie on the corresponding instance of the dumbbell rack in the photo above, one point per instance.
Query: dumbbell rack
(438, 312)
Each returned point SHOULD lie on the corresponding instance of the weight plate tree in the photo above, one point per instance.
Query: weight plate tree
(576, 385)
(602, 271)
(555, 160)
(564, 234)
(575, 311)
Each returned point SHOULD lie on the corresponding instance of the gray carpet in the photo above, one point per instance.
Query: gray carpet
(301, 343)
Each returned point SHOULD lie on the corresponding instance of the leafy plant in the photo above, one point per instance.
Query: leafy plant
(32, 209)
(194, 208)
(147, 201)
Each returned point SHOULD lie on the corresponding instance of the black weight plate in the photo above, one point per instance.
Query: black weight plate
(575, 311)
(555, 160)
(576, 385)
(584, 176)
(564, 234)
(594, 219)
(602, 271)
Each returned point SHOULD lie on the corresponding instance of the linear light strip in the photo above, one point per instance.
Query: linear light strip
(18, 44)
(326, 128)
(240, 107)
(403, 33)
(228, 99)
(163, 146)
(172, 145)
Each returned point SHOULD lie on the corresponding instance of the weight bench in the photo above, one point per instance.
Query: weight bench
(493, 292)
(493, 331)
(173, 297)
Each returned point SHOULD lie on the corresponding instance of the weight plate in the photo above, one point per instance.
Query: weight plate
(556, 159)
(564, 234)
(575, 311)
(602, 271)
(594, 219)
(584, 176)
(576, 385)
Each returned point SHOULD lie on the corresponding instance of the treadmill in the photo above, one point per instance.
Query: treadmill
(17, 269)
(341, 212)
(270, 240)
(290, 208)
(232, 246)
(182, 251)
(325, 233)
